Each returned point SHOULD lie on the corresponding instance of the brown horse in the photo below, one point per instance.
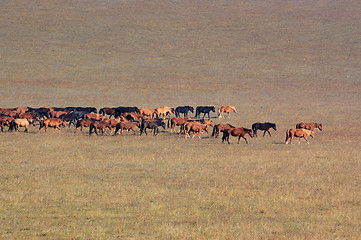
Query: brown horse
(204, 121)
(93, 116)
(83, 123)
(163, 111)
(101, 125)
(227, 109)
(310, 126)
(56, 114)
(194, 127)
(30, 116)
(126, 125)
(220, 128)
(52, 122)
(300, 133)
(237, 132)
(5, 121)
(176, 121)
(108, 111)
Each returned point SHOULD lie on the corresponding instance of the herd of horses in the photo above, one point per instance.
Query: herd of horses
(130, 118)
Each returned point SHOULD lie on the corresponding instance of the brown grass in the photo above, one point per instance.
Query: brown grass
(278, 61)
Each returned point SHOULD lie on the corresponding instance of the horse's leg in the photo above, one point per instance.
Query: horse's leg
(245, 139)
(306, 139)
(269, 133)
(229, 114)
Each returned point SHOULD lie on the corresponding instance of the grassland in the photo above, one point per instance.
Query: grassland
(278, 61)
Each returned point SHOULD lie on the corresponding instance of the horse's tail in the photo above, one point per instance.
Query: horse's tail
(225, 135)
(214, 130)
(298, 125)
(254, 128)
(288, 134)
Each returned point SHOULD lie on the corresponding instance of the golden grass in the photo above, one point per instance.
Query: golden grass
(282, 62)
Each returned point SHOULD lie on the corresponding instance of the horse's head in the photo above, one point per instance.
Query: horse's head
(274, 127)
(213, 109)
(319, 126)
(162, 124)
(191, 109)
(234, 109)
(250, 132)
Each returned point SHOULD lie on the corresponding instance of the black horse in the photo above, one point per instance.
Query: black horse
(184, 110)
(151, 125)
(120, 110)
(263, 126)
(205, 110)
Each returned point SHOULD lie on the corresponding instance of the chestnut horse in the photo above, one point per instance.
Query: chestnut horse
(310, 126)
(93, 116)
(83, 123)
(227, 109)
(101, 125)
(195, 127)
(301, 133)
(220, 128)
(237, 132)
(176, 122)
(52, 122)
(126, 125)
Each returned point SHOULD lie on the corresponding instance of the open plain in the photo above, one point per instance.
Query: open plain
(278, 61)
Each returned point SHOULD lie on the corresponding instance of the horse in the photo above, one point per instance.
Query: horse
(184, 110)
(120, 110)
(52, 122)
(93, 116)
(151, 125)
(86, 109)
(298, 132)
(227, 109)
(220, 128)
(101, 125)
(126, 125)
(163, 111)
(263, 126)
(207, 122)
(32, 117)
(5, 121)
(194, 127)
(20, 122)
(205, 110)
(147, 112)
(56, 114)
(309, 126)
(133, 116)
(83, 123)
(237, 132)
(176, 122)
(70, 117)
(108, 111)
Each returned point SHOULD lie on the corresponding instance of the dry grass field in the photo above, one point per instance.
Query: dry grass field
(279, 61)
